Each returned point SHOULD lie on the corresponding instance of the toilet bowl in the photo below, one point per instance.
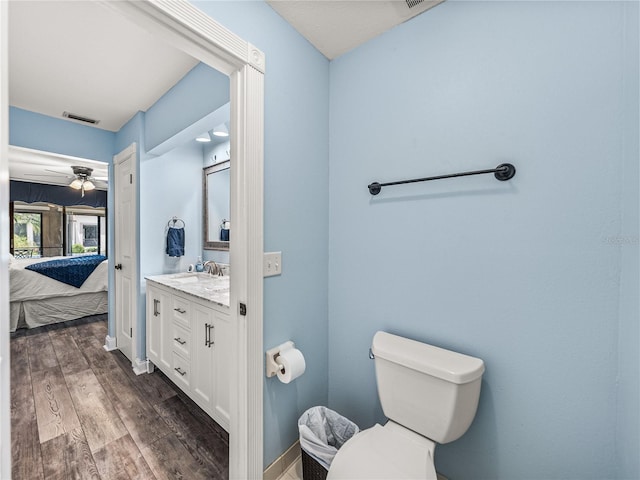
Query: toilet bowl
(385, 453)
(429, 394)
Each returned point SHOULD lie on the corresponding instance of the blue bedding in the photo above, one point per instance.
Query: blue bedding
(72, 271)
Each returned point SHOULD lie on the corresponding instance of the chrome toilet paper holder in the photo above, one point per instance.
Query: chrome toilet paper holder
(272, 366)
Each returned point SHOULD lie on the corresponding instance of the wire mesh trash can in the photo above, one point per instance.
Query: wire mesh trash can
(322, 433)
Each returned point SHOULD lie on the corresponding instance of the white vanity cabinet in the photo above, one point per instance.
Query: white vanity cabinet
(211, 362)
(188, 339)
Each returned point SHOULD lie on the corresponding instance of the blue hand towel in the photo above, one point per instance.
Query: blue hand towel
(175, 242)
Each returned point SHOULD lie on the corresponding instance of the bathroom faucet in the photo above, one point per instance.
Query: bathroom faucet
(212, 268)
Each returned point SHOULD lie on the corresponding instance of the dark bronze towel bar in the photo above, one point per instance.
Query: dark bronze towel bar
(504, 171)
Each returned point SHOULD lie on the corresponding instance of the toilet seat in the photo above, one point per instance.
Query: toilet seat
(389, 452)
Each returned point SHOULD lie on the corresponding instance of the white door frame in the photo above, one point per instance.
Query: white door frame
(5, 372)
(187, 28)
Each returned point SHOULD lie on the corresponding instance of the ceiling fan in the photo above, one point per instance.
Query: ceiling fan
(82, 178)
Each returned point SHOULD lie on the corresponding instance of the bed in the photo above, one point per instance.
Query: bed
(38, 300)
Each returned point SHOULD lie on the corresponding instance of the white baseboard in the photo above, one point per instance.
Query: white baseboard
(283, 462)
(141, 366)
(110, 343)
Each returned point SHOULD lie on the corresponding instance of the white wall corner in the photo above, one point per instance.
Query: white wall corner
(110, 343)
(142, 366)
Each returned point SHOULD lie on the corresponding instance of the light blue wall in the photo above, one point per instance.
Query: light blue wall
(295, 216)
(170, 185)
(522, 274)
(40, 132)
(200, 92)
(627, 439)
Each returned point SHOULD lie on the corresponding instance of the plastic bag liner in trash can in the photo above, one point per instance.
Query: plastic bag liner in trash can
(323, 432)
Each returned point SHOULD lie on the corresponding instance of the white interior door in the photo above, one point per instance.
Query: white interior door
(125, 250)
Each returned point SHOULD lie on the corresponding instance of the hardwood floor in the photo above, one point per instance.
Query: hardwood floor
(79, 412)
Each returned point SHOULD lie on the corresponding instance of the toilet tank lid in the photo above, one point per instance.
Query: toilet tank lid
(435, 361)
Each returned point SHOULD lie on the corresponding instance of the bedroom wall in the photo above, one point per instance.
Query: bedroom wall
(295, 207)
(523, 274)
(40, 132)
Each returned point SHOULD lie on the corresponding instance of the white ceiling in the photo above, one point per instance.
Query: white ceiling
(336, 26)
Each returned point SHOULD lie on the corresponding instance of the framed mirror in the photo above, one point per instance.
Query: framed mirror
(216, 186)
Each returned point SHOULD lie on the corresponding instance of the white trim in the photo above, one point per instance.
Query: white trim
(110, 343)
(140, 366)
(281, 464)
(5, 372)
(185, 27)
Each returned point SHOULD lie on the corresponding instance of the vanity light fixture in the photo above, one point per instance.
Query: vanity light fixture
(221, 130)
(204, 138)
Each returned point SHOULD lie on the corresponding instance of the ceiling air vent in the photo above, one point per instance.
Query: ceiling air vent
(80, 118)
(413, 3)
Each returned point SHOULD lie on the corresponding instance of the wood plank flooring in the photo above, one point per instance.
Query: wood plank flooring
(79, 412)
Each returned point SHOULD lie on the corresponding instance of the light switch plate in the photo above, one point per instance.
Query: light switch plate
(272, 264)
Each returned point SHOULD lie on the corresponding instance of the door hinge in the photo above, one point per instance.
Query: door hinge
(131, 178)
(243, 309)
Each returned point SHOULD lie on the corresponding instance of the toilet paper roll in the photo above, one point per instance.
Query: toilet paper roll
(294, 365)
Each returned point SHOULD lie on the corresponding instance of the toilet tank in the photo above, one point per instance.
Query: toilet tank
(427, 389)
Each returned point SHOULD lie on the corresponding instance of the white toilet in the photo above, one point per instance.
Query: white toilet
(429, 394)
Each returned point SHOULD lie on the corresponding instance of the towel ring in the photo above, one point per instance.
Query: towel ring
(172, 223)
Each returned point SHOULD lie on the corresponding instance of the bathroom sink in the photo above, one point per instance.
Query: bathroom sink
(209, 282)
(187, 279)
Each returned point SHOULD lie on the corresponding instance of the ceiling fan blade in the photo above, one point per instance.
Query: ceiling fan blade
(42, 175)
(57, 172)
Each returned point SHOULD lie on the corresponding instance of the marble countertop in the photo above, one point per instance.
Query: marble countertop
(201, 285)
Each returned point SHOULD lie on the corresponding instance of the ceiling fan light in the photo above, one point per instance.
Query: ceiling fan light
(77, 184)
(88, 185)
(204, 138)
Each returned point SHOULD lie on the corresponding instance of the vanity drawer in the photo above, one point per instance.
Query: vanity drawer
(181, 340)
(181, 370)
(181, 311)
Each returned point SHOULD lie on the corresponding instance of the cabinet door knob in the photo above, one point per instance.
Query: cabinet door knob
(179, 310)
(118, 266)
(177, 369)
(180, 341)
(156, 303)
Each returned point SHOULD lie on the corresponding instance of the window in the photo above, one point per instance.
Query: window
(86, 231)
(27, 234)
(48, 230)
